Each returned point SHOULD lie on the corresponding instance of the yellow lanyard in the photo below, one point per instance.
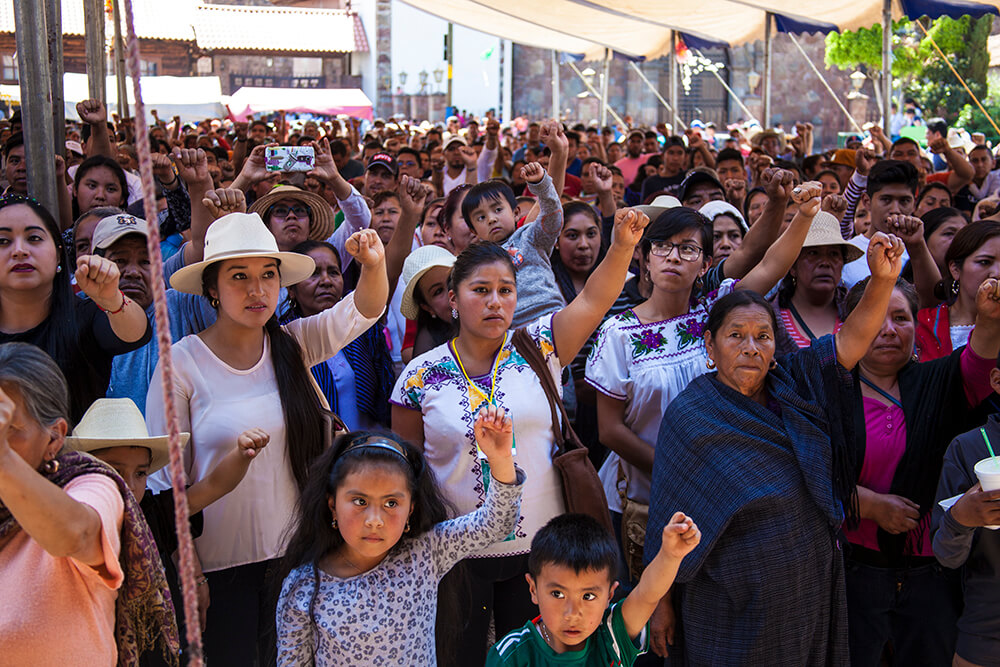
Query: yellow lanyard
(469, 382)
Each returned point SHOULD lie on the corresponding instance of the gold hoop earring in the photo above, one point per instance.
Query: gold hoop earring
(710, 365)
(407, 529)
(214, 303)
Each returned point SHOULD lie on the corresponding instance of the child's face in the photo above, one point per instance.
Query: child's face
(372, 507)
(132, 463)
(493, 220)
(572, 604)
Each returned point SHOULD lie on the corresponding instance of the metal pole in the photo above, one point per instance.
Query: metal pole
(604, 88)
(674, 72)
(555, 84)
(825, 84)
(593, 91)
(53, 24)
(451, 60)
(886, 64)
(93, 21)
(120, 63)
(768, 20)
(36, 102)
(649, 83)
(725, 85)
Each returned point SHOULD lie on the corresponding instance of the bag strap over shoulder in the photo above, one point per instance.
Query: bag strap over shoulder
(526, 347)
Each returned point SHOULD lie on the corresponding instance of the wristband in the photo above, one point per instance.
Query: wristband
(125, 302)
(202, 580)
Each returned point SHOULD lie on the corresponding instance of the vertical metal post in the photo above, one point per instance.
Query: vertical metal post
(120, 63)
(93, 21)
(604, 87)
(451, 61)
(768, 20)
(36, 101)
(53, 28)
(674, 74)
(555, 84)
(886, 64)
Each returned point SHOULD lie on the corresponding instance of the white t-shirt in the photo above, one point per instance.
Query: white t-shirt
(434, 384)
(647, 366)
(215, 404)
(856, 271)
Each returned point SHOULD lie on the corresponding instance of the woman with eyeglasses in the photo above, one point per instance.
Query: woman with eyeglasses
(648, 354)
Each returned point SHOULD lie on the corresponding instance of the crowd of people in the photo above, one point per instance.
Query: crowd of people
(781, 363)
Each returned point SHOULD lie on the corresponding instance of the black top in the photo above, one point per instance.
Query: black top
(88, 365)
(656, 183)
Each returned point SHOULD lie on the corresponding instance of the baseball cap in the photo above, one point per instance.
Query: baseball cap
(383, 160)
(74, 147)
(113, 227)
(455, 139)
(698, 177)
(634, 131)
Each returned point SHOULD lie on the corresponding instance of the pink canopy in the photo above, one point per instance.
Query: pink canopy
(321, 101)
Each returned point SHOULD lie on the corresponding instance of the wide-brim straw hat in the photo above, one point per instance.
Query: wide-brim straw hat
(658, 206)
(237, 236)
(117, 422)
(320, 214)
(419, 262)
(825, 230)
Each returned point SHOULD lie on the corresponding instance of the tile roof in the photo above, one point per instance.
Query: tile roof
(227, 27)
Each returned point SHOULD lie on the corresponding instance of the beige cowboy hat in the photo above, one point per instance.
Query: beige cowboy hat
(320, 214)
(240, 235)
(658, 206)
(419, 262)
(117, 422)
(825, 230)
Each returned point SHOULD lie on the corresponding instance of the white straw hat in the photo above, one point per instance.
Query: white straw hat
(236, 236)
(825, 230)
(655, 208)
(419, 262)
(117, 422)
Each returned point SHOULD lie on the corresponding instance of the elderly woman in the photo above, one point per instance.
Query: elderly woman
(759, 453)
(78, 568)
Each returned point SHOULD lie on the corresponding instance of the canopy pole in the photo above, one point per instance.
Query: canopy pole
(53, 27)
(555, 84)
(673, 78)
(826, 85)
(768, 20)
(451, 63)
(120, 63)
(729, 90)
(649, 83)
(604, 88)
(36, 102)
(886, 64)
(93, 21)
(593, 91)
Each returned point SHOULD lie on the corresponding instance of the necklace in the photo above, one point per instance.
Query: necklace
(349, 562)
(545, 633)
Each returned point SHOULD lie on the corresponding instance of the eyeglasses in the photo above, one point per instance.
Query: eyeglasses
(686, 251)
(282, 211)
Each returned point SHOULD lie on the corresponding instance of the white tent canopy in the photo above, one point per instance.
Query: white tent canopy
(193, 98)
(324, 101)
(640, 28)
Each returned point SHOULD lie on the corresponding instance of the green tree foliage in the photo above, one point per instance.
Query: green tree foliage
(916, 65)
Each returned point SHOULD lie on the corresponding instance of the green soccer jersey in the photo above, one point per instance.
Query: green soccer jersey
(609, 646)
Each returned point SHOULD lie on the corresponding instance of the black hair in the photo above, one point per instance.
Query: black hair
(909, 291)
(59, 339)
(338, 148)
(932, 186)
(478, 254)
(939, 125)
(452, 205)
(892, 172)
(488, 191)
(936, 217)
(577, 541)
(257, 122)
(383, 195)
(674, 221)
(649, 134)
(307, 426)
(575, 136)
(729, 154)
(93, 162)
(901, 141)
(737, 299)
(827, 172)
(13, 141)
(311, 535)
(304, 248)
(968, 239)
(981, 147)
(409, 150)
(431, 203)
(563, 278)
(589, 161)
(373, 145)
(747, 199)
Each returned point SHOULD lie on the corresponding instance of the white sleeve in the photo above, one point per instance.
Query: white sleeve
(357, 216)
(323, 335)
(484, 165)
(607, 366)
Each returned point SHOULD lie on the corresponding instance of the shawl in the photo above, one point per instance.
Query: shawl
(144, 614)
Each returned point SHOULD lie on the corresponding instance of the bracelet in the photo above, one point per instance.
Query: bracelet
(125, 302)
(470, 168)
(202, 580)
(170, 183)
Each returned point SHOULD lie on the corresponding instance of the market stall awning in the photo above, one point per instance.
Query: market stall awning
(193, 98)
(639, 28)
(320, 101)
(233, 28)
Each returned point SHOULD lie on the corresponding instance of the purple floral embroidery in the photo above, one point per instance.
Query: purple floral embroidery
(689, 332)
(435, 375)
(647, 342)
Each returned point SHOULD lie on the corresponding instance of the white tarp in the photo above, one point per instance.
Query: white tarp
(320, 101)
(193, 98)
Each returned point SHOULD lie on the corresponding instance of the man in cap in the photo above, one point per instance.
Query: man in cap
(462, 165)
(700, 187)
(382, 173)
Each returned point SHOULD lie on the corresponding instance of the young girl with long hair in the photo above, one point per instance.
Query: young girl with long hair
(372, 542)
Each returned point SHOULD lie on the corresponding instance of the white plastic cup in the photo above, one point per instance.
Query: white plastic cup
(988, 472)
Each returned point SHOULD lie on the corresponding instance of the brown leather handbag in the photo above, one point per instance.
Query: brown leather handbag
(582, 488)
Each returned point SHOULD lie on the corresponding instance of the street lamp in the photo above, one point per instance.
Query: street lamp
(402, 78)
(858, 80)
(753, 80)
